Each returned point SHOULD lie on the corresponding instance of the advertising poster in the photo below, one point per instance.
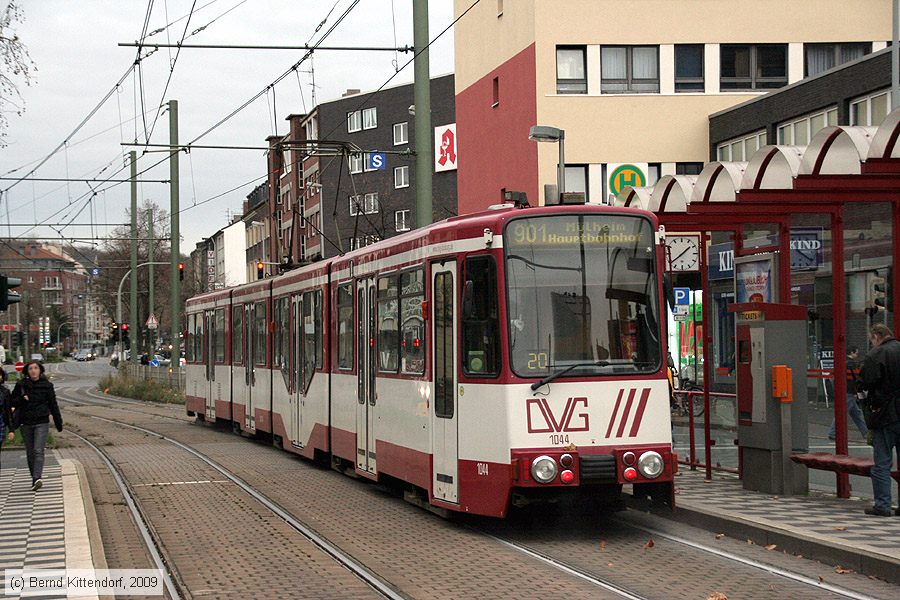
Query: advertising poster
(753, 280)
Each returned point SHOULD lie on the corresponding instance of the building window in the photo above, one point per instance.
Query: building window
(688, 168)
(629, 69)
(821, 57)
(576, 179)
(311, 128)
(401, 177)
(367, 164)
(401, 133)
(495, 96)
(287, 162)
(355, 162)
(871, 110)
(689, 68)
(800, 131)
(753, 67)
(401, 220)
(362, 241)
(570, 70)
(369, 118)
(363, 204)
(740, 149)
(354, 121)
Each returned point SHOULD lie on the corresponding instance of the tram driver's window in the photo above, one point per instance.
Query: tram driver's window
(481, 318)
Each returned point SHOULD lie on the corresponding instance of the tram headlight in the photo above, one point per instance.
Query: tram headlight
(544, 469)
(650, 464)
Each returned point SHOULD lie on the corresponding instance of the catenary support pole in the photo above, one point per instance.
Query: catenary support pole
(134, 336)
(175, 303)
(895, 56)
(422, 99)
(151, 299)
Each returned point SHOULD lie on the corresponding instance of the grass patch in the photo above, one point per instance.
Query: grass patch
(19, 443)
(140, 389)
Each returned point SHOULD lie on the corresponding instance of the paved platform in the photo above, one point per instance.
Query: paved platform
(49, 529)
(819, 525)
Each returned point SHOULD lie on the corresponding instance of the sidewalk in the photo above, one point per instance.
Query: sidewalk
(818, 526)
(48, 529)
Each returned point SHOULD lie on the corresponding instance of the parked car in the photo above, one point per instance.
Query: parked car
(37, 356)
(84, 355)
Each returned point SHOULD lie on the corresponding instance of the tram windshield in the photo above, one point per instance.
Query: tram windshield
(582, 295)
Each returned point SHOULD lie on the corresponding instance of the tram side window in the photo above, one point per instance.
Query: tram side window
(199, 354)
(388, 325)
(412, 326)
(481, 318)
(220, 335)
(345, 327)
(282, 337)
(259, 328)
(237, 334)
(312, 335)
(189, 340)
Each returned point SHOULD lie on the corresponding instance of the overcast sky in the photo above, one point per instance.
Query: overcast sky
(74, 46)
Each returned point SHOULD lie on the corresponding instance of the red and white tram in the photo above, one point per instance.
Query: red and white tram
(483, 360)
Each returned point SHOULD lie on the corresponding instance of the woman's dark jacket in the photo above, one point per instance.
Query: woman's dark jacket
(41, 403)
(6, 408)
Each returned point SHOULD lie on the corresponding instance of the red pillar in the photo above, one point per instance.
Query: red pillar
(839, 325)
(707, 344)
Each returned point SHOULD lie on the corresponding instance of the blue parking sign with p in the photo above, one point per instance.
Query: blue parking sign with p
(377, 161)
(682, 296)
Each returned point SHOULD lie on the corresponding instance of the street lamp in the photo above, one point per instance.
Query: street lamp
(545, 133)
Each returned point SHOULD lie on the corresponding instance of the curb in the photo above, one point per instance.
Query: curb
(828, 552)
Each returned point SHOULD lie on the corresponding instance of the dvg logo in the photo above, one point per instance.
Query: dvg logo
(542, 420)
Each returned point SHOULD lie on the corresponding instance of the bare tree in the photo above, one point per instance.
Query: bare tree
(15, 66)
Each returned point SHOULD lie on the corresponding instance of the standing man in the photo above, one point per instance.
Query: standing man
(880, 376)
(852, 389)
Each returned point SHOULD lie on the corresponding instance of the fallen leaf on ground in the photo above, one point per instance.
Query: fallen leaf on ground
(649, 544)
(750, 542)
(717, 596)
(841, 570)
(609, 564)
(602, 545)
(771, 547)
(821, 579)
(773, 497)
(841, 528)
(799, 556)
(719, 536)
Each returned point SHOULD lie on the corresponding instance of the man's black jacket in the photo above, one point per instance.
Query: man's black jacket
(880, 376)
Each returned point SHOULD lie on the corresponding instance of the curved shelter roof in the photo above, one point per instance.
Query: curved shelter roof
(672, 193)
(773, 168)
(884, 144)
(719, 182)
(837, 150)
(635, 197)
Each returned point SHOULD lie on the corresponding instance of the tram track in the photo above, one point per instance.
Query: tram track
(551, 559)
(154, 545)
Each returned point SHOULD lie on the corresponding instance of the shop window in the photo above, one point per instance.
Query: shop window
(481, 318)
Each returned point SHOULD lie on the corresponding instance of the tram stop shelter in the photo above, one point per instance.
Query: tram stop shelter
(829, 216)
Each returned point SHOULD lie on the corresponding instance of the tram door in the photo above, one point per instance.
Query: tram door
(444, 427)
(210, 354)
(296, 337)
(249, 363)
(365, 356)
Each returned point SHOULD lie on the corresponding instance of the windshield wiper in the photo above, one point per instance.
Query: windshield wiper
(561, 372)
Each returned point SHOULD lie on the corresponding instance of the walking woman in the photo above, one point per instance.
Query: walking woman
(7, 426)
(34, 400)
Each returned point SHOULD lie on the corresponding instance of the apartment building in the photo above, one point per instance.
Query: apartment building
(631, 84)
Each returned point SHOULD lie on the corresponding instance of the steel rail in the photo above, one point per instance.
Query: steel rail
(152, 544)
(771, 569)
(323, 544)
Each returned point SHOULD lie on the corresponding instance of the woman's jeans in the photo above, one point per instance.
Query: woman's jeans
(35, 437)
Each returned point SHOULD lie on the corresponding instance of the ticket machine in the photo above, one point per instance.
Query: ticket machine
(767, 335)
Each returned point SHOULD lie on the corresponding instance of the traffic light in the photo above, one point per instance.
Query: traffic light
(19, 338)
(8, 297)
(879, 289)
(260, 267)
(180, 271)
